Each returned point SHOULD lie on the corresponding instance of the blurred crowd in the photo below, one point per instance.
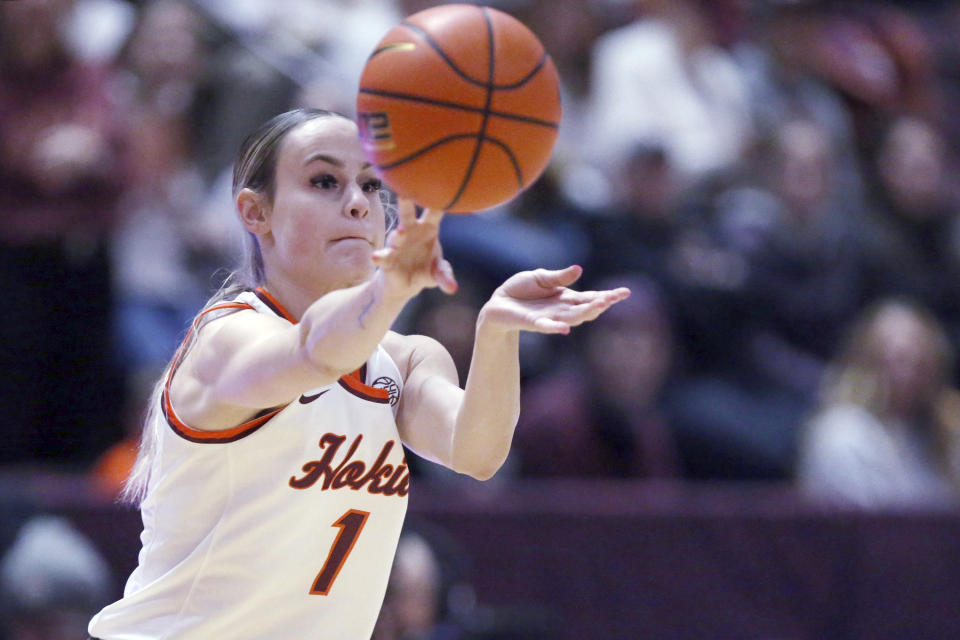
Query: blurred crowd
(774, 179)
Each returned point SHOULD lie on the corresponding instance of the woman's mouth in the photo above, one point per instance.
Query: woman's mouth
(347, 238)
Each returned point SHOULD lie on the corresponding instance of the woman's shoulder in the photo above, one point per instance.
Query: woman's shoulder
(409, 350)
(843, 426)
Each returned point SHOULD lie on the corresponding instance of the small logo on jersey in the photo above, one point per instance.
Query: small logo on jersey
(305, 399)
(383, 382)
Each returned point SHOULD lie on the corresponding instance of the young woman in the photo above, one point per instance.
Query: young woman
(886, 434)
(271, 474)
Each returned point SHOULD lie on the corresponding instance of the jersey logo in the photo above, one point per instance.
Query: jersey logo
(305, 399)
(376, 477)
(391, 386)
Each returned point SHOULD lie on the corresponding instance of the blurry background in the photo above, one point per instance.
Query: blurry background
(762, 442)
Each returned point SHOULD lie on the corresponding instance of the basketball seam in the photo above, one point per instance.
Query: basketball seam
(463, 74)
(430, 147)
(481, 134)
(442, 141)
(513, 158)
(457, 105)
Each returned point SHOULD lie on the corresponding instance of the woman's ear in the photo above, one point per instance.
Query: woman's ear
(253, 208)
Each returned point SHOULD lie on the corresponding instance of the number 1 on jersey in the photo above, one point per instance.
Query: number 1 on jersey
(350, 524)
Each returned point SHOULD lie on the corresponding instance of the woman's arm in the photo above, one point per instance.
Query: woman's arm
(250, 361)
(471, 430)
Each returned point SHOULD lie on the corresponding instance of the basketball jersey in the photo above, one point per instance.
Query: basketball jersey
(284, 527)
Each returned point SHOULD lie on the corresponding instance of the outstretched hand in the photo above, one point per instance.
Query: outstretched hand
(541, 301)
(413, 258)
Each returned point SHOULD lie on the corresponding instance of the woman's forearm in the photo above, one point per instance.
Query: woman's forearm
(491, 403)
(340, 330)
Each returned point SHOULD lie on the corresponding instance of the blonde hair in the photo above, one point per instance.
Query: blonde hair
(855, 377)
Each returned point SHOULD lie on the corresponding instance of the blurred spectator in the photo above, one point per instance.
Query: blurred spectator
(537, 229)
(568, 30)
(942, 23)
(602, 413)
(784, 88)
(61, 134)
(270, 55)
(444, 317)
(887, 432)
(757, 340)
(167, 247)
(642, 230)
(878, 57)
(449, 319)
(427, 598)
(916, 219)
(664, 80)
(811, 275)
(52, 580)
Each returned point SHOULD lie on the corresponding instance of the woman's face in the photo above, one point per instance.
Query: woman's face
(911, 165)
(906, 358)
(326, 218)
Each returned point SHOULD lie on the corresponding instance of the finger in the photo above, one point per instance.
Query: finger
(442, 273)
(578, 314)
(544, 324)
(581, 297)
(572, 296)
(381, 255)
(563, 278)
(406, 212)
(592, 311)
(432, 216)
(618, 294)
(397, 237)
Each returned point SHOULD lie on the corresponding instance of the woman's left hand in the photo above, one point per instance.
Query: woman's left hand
(413, 258)
(540, 301)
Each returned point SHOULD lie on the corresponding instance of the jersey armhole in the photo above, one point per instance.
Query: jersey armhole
(196, 435)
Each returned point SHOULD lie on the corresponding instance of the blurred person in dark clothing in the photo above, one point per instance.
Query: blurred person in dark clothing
(916, 219)
(642, 229)
(604, 412)
(756, 347)
(60, 176)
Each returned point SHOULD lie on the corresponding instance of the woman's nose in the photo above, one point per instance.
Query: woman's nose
(357, 204)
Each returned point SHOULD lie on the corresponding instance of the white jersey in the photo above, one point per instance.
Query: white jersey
(281, 528)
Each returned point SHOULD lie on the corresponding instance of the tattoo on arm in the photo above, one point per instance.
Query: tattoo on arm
(365, 311)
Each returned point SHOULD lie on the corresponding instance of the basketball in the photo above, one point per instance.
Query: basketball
(459, 108)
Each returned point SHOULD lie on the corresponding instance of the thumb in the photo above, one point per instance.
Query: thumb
(561, 278)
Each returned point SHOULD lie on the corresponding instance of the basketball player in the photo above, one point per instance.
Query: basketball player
(271, 477)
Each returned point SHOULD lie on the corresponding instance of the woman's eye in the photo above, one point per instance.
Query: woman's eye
(371, 186)
(325, 181)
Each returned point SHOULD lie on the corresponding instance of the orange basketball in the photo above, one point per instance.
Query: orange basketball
(459, 108)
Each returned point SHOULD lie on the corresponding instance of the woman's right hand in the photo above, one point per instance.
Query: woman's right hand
(412, 259)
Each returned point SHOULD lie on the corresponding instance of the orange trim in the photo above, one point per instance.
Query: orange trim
(196, 435)
(352, 382)
(355, 384)
(274, 304)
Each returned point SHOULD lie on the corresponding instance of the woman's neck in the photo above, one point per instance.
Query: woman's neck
(295, 296)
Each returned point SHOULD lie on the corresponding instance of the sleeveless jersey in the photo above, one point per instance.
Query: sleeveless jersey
(282, 528)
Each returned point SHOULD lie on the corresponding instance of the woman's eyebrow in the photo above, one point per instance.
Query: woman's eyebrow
(331, 160)
(325, 158)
